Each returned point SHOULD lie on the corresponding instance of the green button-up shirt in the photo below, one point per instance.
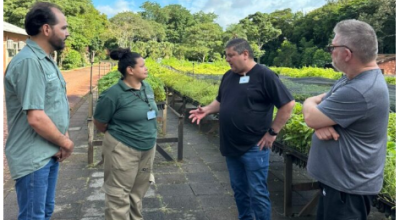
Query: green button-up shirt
(125, 111)
(32, 82)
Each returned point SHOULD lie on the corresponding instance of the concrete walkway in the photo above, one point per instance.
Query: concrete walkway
(195, 189)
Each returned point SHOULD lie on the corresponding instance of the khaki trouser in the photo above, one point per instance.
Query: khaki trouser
(126, 179)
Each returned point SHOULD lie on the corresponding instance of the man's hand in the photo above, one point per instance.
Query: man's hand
(327, 133)
(58, 155)
(266, 141)
(318, 98)
(197, 114)
(66, 148)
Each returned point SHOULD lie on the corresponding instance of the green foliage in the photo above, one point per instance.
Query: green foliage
(178, 19)
(128, 27)
(218, 67)
(108, 80)
(321, 58)
(389, 181)
(85, 23)
(287, 55)
(307, 72)
(234, 31)
(158, 87)
(72, 59)
(260, 30)
(199, 91)
(202, 40)
(391, 80)
(112, 78)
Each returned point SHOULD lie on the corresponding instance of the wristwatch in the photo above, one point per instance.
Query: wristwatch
(272, 132)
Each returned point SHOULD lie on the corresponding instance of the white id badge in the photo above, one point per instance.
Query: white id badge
(151, 115)
(150, 96)
(244, 79)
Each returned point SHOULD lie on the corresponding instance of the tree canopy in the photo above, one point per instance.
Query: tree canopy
(281, 38)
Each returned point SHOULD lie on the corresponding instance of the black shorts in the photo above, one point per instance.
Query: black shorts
(336, 205)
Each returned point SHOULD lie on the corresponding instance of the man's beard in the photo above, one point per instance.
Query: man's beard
(57, 44)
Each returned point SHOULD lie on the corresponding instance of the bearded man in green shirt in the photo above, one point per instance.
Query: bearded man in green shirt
(37, 113)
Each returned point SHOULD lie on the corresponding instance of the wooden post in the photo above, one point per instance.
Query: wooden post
(164, 119)
(90, 120)
(90, 142)
(180, 137)
(287, 189)
(173, 99)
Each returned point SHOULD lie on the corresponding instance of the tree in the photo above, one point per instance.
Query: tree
(157, 31)
(259, 29)
(179, 18)
(287, 55)
(234, 31)
(86, 24)
(180, 51)
(321, 58)
(153, 12)
(201, 17)
(384, 23)
(140, 48)
(129, 27)
(153, 49)
(204, 39)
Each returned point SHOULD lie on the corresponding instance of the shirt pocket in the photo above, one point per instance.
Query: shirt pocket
(53, 84)
(51, 75)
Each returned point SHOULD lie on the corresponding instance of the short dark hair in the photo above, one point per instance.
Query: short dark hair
(125, 58)
(40, 13)
(240, 45)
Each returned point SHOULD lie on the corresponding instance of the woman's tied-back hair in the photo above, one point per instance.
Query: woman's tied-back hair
(125, 58)
(240, 45)
(41, 13)
(360, 37)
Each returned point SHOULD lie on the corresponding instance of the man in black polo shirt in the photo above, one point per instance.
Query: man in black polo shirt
(245, 101)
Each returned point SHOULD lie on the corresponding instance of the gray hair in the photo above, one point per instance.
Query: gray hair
(360, 37)
(240, 45)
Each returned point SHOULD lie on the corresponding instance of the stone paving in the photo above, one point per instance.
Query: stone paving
(196, 188)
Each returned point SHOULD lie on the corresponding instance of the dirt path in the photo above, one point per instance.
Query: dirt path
(78, 85)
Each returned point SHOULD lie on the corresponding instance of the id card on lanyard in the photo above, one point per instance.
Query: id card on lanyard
(151, 114)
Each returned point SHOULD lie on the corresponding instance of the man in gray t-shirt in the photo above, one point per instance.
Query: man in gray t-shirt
(348, 149)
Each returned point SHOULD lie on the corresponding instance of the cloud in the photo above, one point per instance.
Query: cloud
(119, 6)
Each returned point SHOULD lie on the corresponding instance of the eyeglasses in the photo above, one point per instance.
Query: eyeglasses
(330, 48)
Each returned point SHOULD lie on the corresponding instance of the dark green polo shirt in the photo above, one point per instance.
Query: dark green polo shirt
(32, 81)
(126, 115)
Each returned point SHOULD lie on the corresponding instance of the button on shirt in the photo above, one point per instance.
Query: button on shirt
(32, 82)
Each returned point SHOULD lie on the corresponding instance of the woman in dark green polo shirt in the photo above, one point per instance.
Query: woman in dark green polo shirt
(126, 113)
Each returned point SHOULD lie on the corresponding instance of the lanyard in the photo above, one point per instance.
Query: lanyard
(140, 97)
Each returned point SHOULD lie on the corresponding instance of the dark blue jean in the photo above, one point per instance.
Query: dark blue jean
(36, 192)
(248, 175)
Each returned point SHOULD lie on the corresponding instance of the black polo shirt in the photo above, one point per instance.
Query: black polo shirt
(246, 110)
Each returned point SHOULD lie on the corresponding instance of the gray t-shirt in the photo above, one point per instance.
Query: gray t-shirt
(353, 164)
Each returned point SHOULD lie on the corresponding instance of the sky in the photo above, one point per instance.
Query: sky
(229, 12)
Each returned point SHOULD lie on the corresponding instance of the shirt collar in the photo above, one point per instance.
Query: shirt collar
(39, 52)
(126, 87)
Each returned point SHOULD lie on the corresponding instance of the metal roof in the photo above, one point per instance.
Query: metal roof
(7, 27)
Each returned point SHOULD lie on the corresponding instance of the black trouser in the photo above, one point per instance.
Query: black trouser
(336, 205)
